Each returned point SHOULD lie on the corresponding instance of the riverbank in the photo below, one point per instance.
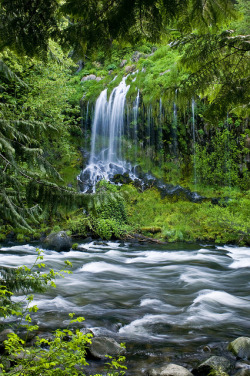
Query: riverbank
(126, 212)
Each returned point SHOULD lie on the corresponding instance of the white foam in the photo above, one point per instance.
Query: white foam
(240, 256)
(196, 276)
(99, 246)
(178, 256)
(102, 266)
(25, 247)
(57, 303)
(220, 297)
(140, 327)
(146, 302)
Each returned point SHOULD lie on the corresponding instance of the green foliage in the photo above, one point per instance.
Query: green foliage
(108, 215)
(26, 27)
(33, 116)
(24, 280)
(218, 161)
(78, 224)
(217, 67)
(187, 221)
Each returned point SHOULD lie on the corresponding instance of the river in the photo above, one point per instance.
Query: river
(167, 302)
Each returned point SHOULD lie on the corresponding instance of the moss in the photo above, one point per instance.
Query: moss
(187, 221)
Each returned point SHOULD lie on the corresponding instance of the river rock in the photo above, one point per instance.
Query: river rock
(59, 241)
(4, 334)
(169, 370)
(215, 363)
(102, 346)
(240, 347)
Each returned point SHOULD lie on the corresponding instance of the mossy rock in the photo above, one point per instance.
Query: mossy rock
(152, 230)
(240, 347)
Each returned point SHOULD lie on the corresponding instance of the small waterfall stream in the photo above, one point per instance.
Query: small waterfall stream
(194, 142)
(135, 121)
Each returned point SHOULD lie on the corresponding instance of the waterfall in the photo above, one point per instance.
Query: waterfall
(135, 120)
(160, 135)
(174, 127)
(228, 153)
(86, 126)
(194, 141)
(106, 157)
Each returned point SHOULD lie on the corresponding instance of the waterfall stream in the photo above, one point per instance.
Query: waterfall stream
(135, 121)
(106, 157)
(194, 142)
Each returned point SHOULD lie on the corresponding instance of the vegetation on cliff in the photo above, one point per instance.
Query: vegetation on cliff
(178, 51)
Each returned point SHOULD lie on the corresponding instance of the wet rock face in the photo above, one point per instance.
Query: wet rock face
(102, 346)
(240, 347)
(169, 370)
(59, 241)
(215, 363)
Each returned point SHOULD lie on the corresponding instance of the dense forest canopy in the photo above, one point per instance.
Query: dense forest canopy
(40, 44)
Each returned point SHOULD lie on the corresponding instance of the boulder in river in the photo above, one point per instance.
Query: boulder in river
(240, 347)
(215, 363)
(59, 241)
(102, 346)
(169, 370)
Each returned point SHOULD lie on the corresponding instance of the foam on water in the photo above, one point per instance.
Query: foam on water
(178, 256)
(102, 266)
(148, 292)
(145, 302)
(58, 303)
(142, 327)
(195, 276)
(93, 246)
(25, 247)
(240, 256)
(220, 297)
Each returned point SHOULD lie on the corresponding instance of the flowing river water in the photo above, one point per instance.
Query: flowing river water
(167, 302)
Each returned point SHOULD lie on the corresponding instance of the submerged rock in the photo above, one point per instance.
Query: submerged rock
(215, 363)
(102, 346)
(240, 347)
(169, 370)
(59, 241)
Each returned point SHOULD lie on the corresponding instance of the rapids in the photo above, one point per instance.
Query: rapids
(164, 301)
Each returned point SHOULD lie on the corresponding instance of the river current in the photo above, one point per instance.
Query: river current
(167, 302)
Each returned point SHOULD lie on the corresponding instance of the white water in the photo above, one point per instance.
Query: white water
(180, 296)
(106, 157)
(135, 120)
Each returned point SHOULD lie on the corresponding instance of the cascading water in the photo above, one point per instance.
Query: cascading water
(135, 119)
(174, 127)
(194, 141)
(106, 158)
